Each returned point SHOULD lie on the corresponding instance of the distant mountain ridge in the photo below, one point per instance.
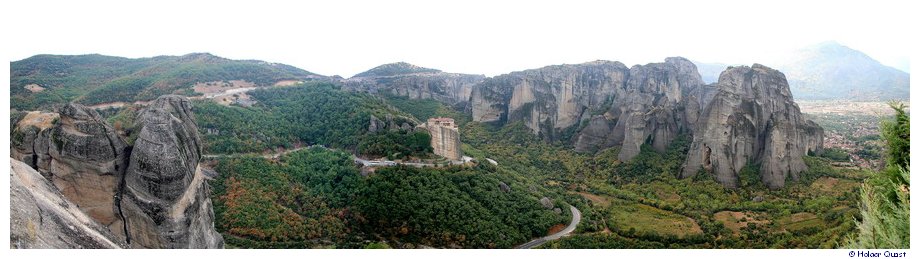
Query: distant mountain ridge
(831, 71)
(90, 79)
(415, 82)
(393, 69)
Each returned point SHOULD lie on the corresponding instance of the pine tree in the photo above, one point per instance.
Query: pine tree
(885, 197)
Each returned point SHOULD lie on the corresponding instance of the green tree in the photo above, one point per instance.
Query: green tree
(885, 196)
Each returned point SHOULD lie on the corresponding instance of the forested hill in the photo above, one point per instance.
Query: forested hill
(42, 80)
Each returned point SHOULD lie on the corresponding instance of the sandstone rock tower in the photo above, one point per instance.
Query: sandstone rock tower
(445, 138)
(95, 190)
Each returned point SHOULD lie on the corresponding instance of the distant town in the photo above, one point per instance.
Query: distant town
(851, 126)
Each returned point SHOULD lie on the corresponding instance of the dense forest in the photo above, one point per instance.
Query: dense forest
(313, 113)
(287, 203)
(318, 198)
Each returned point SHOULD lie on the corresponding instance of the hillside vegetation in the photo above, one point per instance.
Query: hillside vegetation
(313, 113)
(392, 69)
(318, 198)
(885, 197)
(94, 79)
(641, 204)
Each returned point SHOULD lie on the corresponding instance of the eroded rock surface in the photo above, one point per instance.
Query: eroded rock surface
(166, 200)
(595, 105)
(41, 217)
(80, 154)
(752, 119)
(548, 99)
(414, 82)
(749, 116)
(151, 195)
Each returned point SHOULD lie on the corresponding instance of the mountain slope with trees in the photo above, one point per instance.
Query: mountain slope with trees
(94, 79)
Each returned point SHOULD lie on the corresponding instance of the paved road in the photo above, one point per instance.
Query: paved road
(576, 218)
(269, 156)
(359, 160)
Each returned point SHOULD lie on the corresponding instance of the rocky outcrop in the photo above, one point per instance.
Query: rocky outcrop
(41, 217)
(751, 119)
(80, 154)
(391, 123)
(403, 79)
(648, 109)
(546, 203)
(166, 200)
(29, 140)
(502, 186)
(151, 195)
(747, 117)
(445, 138)
(548, 99)
(604, 103)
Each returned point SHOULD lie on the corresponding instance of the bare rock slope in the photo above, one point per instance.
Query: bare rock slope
(166, 200)
(748, 117)
(596, 105)
(414, 82)
(752, 119)
(150, 195)
(41, 217)
(80, 154)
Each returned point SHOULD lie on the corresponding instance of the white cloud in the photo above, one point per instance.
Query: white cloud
(347, 37)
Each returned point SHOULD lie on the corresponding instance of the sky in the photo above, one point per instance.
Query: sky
(476, 37)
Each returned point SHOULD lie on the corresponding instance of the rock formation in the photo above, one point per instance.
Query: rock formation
(166, 201)
(747, 117)
(648, 109)
(80, 154)
(550, 98)
(603, 102)
(403, 79)
(445, 138)
(752, 119)
(391, 123)
(41, 217)
(150, 195)
(29, 140)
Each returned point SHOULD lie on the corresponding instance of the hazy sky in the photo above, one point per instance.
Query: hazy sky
(480, 37)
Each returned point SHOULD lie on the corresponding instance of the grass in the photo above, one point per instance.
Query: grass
(801, 221)
(834, 186)
(624, 215)
(597, 200)
(735, 220)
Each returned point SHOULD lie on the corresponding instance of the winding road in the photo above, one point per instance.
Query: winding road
(576, 218)
(267, 156)
(359, 160)
(576, 214)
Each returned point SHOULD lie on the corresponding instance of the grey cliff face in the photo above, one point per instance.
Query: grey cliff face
(80, 154)
(751, 118)
(391, 123)
(151, 195)
(747, 117)
(402, 79)
(166, 199)
(649, 107)
(548, 99)
(607, 103)
(42, 217)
